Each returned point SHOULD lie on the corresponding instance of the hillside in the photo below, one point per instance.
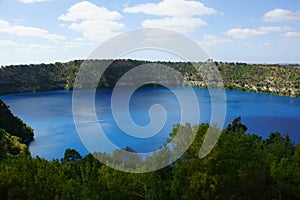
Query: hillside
(13, 125)
(273, 79)
(33, 78)
(11, 145)
(241, 166)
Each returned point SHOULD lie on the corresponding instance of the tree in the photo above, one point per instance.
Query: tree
(279, 147)
(71, 155)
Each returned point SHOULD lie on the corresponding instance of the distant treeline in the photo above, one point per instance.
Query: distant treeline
(264, 78)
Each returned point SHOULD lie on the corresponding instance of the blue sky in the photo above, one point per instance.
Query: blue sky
(35, 31)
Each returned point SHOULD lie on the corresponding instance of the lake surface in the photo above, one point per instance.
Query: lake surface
(50, 115)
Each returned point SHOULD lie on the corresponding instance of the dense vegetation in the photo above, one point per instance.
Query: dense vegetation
(275, 79)
(11, 145)
(13, 125)
(34, 77)
(241, 166)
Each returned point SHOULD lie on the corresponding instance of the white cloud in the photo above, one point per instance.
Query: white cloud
(176, 24)
(8, 43)
(178, 15)
(36, 49)
(172, 8)
(6, 27)
(77, 42)
(212, 40)
(281, 15)
(293, 36)
(80, 39)
(247, 33)
(39, 47)
(95, 23)
(32, 1)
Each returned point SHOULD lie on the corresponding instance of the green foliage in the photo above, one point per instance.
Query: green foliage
(241, 166)
(31, 78)
(13, 125)
(71, 155)
(279, 147)
(11, 145)
(275, 79)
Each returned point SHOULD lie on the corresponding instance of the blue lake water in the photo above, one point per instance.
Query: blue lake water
(50, 115)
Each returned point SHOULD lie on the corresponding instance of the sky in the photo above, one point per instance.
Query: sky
(44, 31)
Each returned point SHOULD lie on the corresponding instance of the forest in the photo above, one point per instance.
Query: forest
(13, 125)
(240, 166)
(263, 78)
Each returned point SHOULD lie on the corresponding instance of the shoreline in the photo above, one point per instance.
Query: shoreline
(192, 85)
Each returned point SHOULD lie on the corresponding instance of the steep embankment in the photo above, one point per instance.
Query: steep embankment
(32, 78)
(273, 79)
(13, 125)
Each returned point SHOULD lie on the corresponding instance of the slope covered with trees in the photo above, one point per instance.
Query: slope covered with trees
(14, 125)
(14, 134)
(11, 145)
(241, 166)
(266, 78)
(274, 79)
(34, 77)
